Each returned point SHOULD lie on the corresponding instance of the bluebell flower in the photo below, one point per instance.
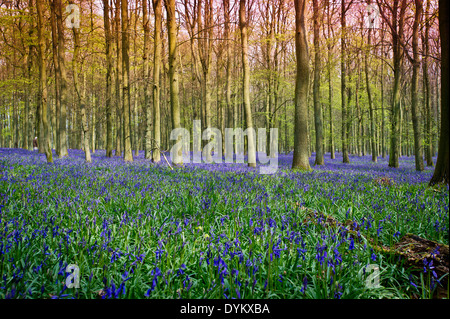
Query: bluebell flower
(352, 244)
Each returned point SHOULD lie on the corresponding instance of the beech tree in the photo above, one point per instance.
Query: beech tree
(43, 81)
(127, 155)
(442, 169)
(173, 71)
(157, 8)
(243, 26)
(108, 93)
(301, 158)
(317, 107)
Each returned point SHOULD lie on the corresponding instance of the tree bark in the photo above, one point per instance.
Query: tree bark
(383, 135)
(128, 155)
(43, 81)
(173, 72)
(63, 82)
(157, 8)
(330, 83)
(119, 93)
(243, 26)
(301, 160)
(442, 169)
(108, 104)
(370, 100)
(80, 95)
(345, 158)
(57, 73)
(427, 93)
(317, 107)
(147, 84)
(415, 87)
(205, 48)
(397, 35)
(28, 138)
(226, 10)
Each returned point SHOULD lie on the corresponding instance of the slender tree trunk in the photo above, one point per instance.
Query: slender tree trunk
(94, 123)
(147, 84)
(81, 95)
(108, 104)
(243, 26)
(397, 32)
(128, 155)
(415, 87)
(205, 47)
(330, 83)
(43, 81)
(359, 128)
(345, 158)
(317, 107)
(427, 93)
(370, 100)
(134, 121)
(63, 82)
(442, 169)
(119, 93)
(57, 114)
(229, 102)
(301, 160)
(383, 138)
(173, 72)
(28, 109)
(157, 8)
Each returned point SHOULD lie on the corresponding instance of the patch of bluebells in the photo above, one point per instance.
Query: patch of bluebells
(207, 230)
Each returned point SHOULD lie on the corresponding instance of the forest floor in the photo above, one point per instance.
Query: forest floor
(140, 230)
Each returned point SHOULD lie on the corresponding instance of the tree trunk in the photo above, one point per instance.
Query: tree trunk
(243, 26)
(369, 97)
(330, 83)
(229, 102)
(157, 8)
(43, 81)
(316, 88)
(442, 169)
(108, 104)
(63, 82)
(57, 114)
(119, 93)
(81, 95)
(128, 155)
(93, 123)
(397, 33)
(359, 128)
(415, 87)
(147, 84)
(205, 47)
(28, 109)
(383, 139)
(427, 93)
(173, 72)
(134, 121)
(345, 158)
(301, 160)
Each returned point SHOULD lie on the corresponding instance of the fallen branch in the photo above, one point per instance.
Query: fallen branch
(412, 250)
